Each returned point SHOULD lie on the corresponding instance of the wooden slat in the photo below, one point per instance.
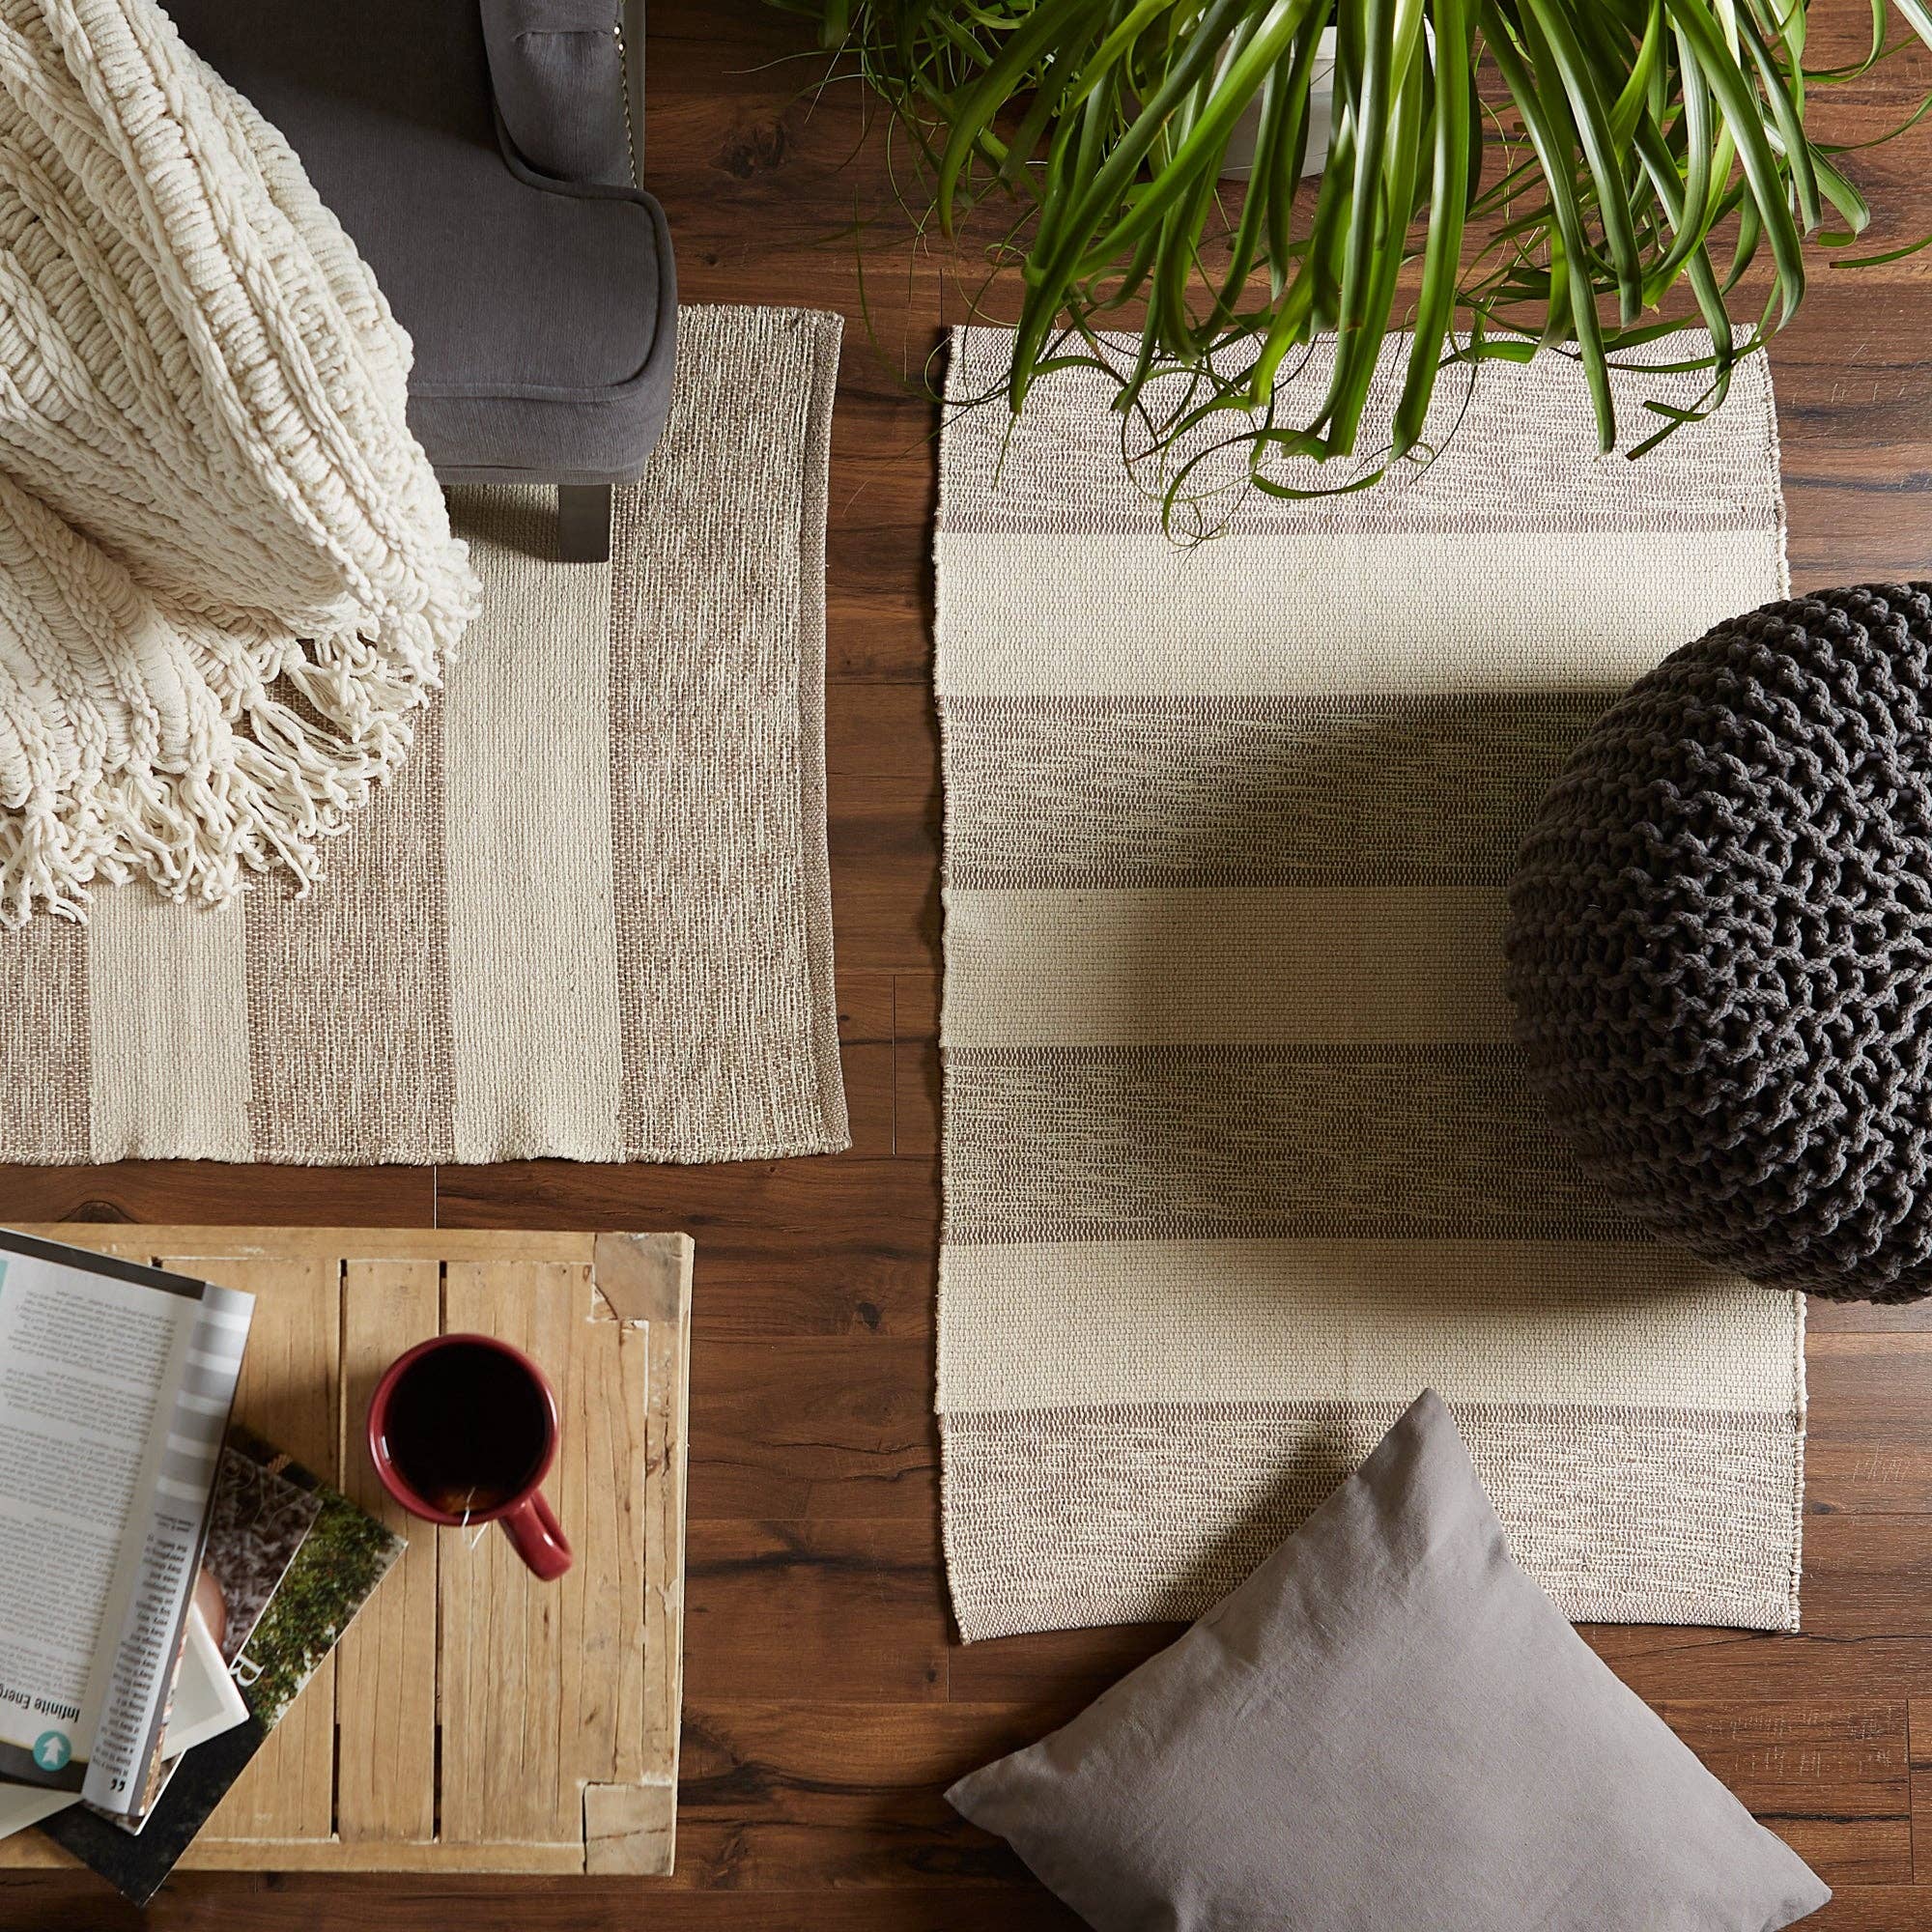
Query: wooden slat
(385, 1668)
(503, 1636)
(128, 1244)
(376, 1855)
(597, 1489)
(289, 1394)
(669, 1338)
(630, 1828)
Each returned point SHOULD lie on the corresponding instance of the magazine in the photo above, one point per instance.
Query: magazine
(206, 1703)
(116, 1382)
(345, 1555)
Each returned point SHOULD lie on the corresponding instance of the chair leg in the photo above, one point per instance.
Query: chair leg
(584, 523)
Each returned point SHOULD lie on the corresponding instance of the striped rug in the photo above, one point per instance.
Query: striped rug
(590, 918)
(1237, 1153)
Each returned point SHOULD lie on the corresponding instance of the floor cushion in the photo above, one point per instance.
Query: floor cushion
(1389, 1724)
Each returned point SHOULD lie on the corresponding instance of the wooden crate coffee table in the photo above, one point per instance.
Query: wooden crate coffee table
(473, 1718)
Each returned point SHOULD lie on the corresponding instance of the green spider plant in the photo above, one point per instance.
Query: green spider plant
(1503, 176)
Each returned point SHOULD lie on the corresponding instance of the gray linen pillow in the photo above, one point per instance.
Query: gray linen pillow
(1389, 1724)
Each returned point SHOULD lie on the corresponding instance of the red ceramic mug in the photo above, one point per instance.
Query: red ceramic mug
(463, 1429)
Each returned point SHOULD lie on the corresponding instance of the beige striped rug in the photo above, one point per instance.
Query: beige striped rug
(589, 919)
(1237, 1151)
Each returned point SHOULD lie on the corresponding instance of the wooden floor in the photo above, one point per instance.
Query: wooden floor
(827, 1702)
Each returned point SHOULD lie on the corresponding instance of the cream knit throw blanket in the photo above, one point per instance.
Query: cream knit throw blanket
(226, 574)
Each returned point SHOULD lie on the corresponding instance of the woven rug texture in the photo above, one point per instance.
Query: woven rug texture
(588, 918)
(1238, 1154)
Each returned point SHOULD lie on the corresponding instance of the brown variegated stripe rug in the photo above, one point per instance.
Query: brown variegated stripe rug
(590, 916)
(1238, 1156)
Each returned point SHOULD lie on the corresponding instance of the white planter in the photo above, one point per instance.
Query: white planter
(1240, 162)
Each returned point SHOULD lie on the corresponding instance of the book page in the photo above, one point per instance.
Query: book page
(169, 1527)
(207, 1703)
(83, 1362)
(116, 1382)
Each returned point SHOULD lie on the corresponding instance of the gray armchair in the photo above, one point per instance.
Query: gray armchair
(483, 154)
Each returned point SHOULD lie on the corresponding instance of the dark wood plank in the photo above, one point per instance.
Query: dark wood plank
(865, 1007)
(871, 1096)
(885, 882)
(220, 1903)
(1052, 1673)
(883, 731)
(1867, 1574)
(1889, 1908)
(853, 1608)
(1820, 1666)
(916, 1075)
(1834, 1780)
(817, 1794)
(916, 1097)
(194, 1192)
(813, 1426)
(1866, 1445)
(834, 1246)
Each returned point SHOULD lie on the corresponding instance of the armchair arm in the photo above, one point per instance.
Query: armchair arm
(557, 68)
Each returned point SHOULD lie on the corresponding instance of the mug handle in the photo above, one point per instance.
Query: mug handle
(538, 1538)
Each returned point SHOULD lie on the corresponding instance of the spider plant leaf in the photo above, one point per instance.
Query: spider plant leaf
(1631, 104)
(1842, 192)
(1051, 274)
(1281, 125)
(1448, 204)
(1177, 261)
(1368, 109)
(1542, 119)
(1397, 209)
(1119, 43)
(1370, 112)
(1281, 147)
(1322, 267)
(1737, 101)
(1684, 200)
(1918, 17)
(1232, 91)
(1744, 251)
(1781, 93)
(1595, 135)
(1632, 134)
(1724, 354)
(1890, 255)
(1057, 29)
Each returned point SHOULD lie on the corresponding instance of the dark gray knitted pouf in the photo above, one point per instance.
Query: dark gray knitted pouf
(1721, 945)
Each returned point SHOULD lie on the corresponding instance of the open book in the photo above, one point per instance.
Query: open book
(116, 1382)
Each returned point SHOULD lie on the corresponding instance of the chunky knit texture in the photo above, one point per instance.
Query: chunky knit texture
(226, 574)
(1721, 945)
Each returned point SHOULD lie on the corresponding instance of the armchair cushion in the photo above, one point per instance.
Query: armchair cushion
(557, 70)
(543, 311)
